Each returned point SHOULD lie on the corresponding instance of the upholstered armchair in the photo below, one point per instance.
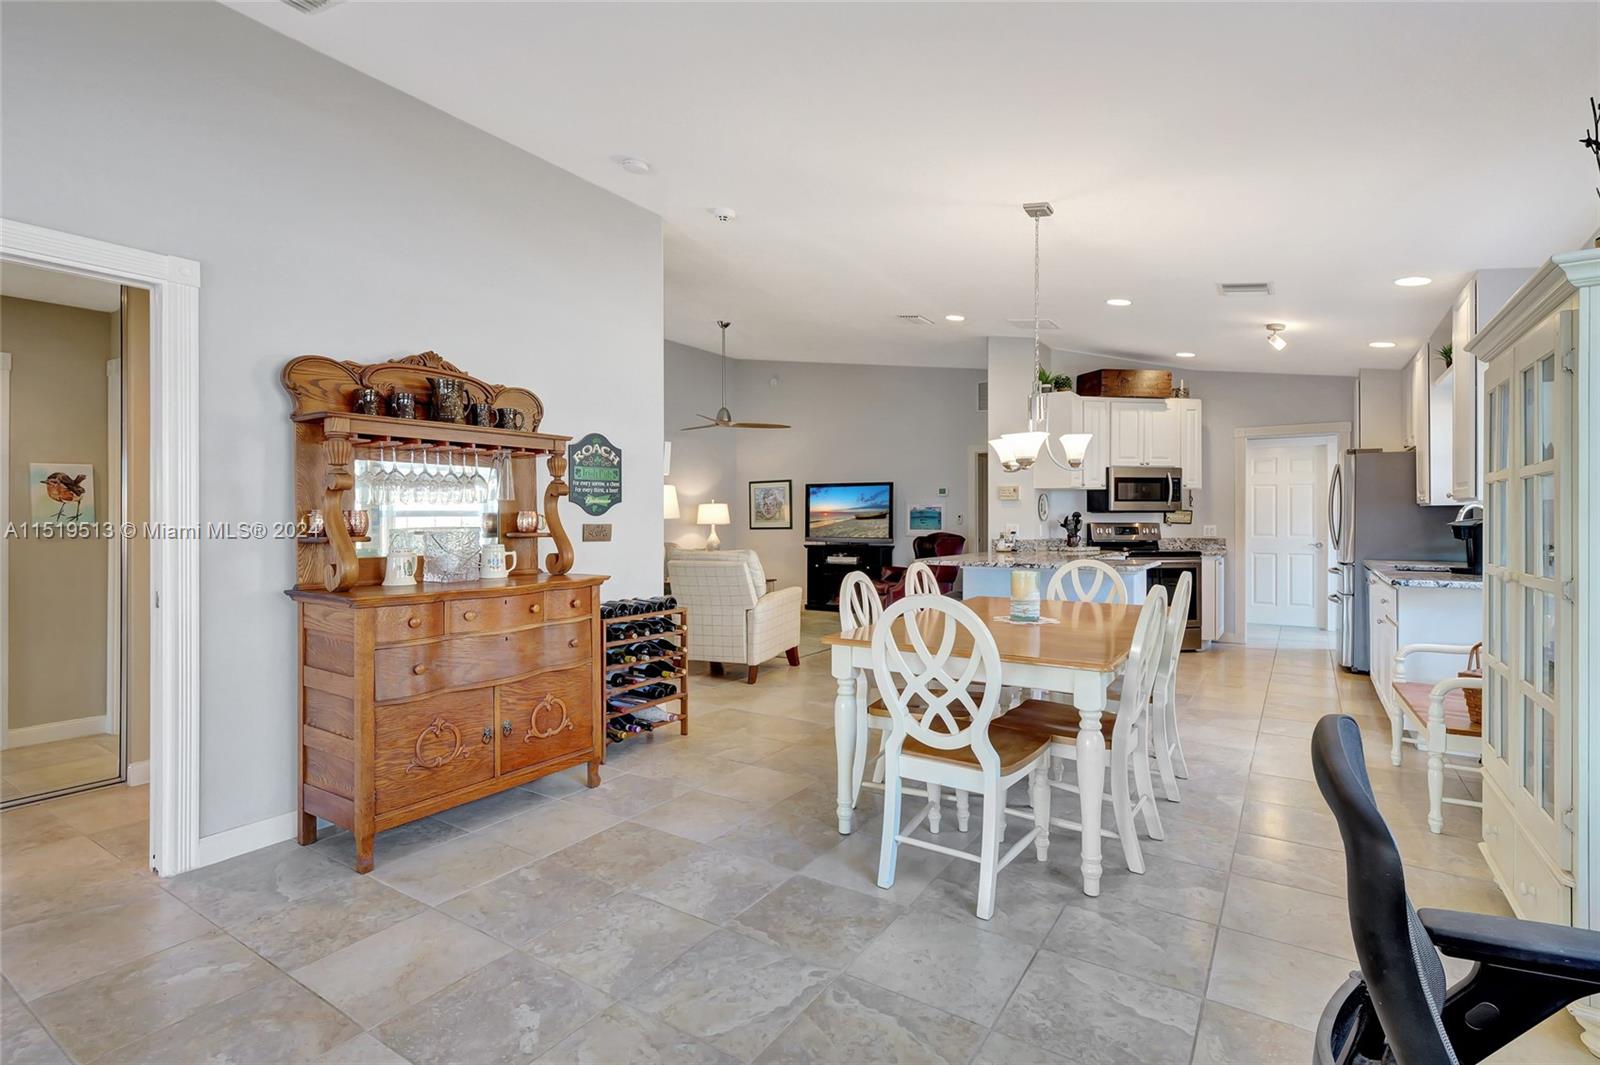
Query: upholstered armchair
(892, 585)
(732, 618)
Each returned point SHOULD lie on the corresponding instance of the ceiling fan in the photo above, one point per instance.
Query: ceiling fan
(724, 419)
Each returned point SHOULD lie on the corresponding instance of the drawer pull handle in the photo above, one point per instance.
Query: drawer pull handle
(413, 622)
(572, 642)
(505, 727)
(469, 615)
(549, 702)
(574, 602)
(437, 729)
(488, 734)
(533, 608)
(420, 668)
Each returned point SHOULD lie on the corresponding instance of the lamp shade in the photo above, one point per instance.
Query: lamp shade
(669, 502)
(1026, 446)
(1074, 446)
(713, 513)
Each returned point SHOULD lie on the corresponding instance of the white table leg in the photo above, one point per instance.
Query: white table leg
(1091, 748)
(844, 733)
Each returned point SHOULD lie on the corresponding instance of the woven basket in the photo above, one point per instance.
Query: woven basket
(1474, 696)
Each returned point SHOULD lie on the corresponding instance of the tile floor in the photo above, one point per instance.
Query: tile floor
(45, 767)
(701, 907)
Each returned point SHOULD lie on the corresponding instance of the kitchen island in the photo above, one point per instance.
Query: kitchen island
(989, 572)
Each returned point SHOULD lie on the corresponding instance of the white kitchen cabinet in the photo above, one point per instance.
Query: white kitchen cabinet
(1433, 446)
(1408, 614)
(1072, 413)
(1465, 484)
(1127, 434)
(1379, 419)
(1408, 406)
(1541, 751)
(1146, 432)
(1213, 607)
(1190, 455)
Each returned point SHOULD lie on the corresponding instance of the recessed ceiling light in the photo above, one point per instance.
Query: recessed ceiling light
(1413, 282)
(955, 317)
(1380, 344)
(632, 164)
(1119, 303)
(1184, 355)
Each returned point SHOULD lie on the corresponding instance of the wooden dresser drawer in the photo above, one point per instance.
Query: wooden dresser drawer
(576, 603)
(546, 717)
(394, 624)
(433, 747)
(494, 615)
(409, 671)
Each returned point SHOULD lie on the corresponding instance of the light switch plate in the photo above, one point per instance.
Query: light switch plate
(1008, 493)
(597, 532)
(1208, 530)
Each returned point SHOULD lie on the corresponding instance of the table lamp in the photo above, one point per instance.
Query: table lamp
(712, 514)
(669, 503)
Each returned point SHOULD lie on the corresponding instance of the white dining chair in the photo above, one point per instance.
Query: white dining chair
(941, 735)
(859, 608)
(1087, 578)
(1164, 713)
(1125, 726)
(920, 580)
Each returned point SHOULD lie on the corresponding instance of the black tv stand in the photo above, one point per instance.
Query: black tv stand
(827, 564)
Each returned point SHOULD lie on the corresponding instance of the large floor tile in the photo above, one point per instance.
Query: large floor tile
(817, 922)
(1089, 1013)
(1290, 915)
(777, 835)
(529, 901)
(547, 829)
(624, 1034)
(318, 924)
(363, 1049)
(854, 1021)
(119, 1007)
(1002, 1049)
(237, 891)
(752, 783)
(945, 964)
(735, 993)
(46, 955)
(624, 854)
(280, 1021)
(628, 794)
(1231, 1036)
(854, 864)
(1120, 934)
(441, 873)
(492, 809)
(698, 815)
(1028, 898)
(712, 884)
(66, 876)
(1293, 864)
(1277, 980)
(23, 1040)
(507, 1013)
(620, 942)
(396, 843)
(391, 970)
(1191, 891)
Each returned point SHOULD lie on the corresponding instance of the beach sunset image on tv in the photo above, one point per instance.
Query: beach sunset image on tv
(850, 511)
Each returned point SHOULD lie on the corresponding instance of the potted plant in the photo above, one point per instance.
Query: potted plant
(1447, 353)
(1058, 382)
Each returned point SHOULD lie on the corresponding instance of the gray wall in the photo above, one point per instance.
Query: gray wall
(330, 214)
(703, 463)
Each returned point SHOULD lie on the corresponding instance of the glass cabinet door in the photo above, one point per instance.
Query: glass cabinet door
(1498, 630)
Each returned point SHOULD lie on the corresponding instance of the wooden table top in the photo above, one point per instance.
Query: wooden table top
(1092, 636)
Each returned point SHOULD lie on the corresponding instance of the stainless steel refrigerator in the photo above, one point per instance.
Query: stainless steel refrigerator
(1373, 514)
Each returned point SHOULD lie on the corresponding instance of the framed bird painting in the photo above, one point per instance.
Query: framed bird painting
(61, 493)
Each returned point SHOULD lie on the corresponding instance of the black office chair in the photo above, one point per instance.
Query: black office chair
(1396, 1009)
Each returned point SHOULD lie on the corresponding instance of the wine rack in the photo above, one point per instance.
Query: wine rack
(677, 634)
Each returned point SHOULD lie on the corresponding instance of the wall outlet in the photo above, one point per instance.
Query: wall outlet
(1013, 529)
(597, 532)
(1208, 530)
(944, 491)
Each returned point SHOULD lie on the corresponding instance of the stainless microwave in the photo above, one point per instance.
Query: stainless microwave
(1138, 488)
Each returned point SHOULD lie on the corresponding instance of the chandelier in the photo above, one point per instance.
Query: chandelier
(1019, 451)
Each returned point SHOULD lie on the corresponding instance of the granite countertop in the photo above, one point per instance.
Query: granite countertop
(1034, 558)
(1437, 576)
(1205, 545)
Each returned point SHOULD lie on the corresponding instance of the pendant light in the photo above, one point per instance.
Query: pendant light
(1019, 451)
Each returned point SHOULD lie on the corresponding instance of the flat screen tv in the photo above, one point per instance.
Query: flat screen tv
(860, 512)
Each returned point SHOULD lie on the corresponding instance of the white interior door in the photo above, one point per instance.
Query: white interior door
(1285, 542)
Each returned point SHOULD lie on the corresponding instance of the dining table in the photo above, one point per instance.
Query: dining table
(1076, 649)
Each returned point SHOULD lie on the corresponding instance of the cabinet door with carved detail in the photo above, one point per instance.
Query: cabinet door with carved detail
(433, 746)
(546, 717)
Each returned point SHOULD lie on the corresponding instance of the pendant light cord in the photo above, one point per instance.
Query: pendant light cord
(1037, 363)
(724, 326)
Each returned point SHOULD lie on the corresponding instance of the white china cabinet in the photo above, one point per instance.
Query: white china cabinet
(1541, 751)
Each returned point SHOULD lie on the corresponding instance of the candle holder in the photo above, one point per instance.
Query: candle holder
(1025, 596)
(357, 522)
(527, 521)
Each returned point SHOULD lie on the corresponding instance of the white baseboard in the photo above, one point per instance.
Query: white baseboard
(56, 730)
(138, 773)
(221, 846)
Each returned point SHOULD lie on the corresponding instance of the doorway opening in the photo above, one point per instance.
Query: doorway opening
(74, 706)
(1285, 530)
(978, 499)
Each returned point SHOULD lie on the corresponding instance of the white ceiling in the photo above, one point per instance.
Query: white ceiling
(877, 155)
(53, 286)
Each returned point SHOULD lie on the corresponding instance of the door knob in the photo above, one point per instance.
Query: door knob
(1317, 545)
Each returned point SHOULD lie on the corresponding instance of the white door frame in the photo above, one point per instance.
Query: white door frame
(1319, 444)
(174, 533)
(973, 502)
(1241, 441)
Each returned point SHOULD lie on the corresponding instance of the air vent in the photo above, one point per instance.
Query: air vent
(983, 397)
(1244, 288)
(1045, 324)
(915, 319)
(310, 7)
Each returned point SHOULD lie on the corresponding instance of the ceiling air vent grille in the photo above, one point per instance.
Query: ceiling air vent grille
(310, 7)
(1045, 324)
(1244, 288)
(915, 319)
(983, 397)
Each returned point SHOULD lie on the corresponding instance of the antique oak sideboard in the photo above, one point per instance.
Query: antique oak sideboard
(416, 698)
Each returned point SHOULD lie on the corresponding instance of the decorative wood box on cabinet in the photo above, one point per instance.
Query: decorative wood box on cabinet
(417, 698)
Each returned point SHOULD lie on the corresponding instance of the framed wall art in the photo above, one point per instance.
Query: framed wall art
(925, 517)
(61, 493)
(771, 504)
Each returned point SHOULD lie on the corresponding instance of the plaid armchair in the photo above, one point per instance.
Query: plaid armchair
(730, 620)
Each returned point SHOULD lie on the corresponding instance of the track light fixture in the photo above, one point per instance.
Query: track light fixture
(1275, 336)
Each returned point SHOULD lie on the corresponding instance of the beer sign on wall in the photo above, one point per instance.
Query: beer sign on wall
(594, 473)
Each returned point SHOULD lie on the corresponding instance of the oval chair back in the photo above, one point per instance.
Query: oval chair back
(1139, 675)
(920, 685)
(859, 605)
(1177, 621)
(1088, 578)
(920, 580)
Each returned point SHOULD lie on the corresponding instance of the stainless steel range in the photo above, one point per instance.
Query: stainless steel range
(1143, 538)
